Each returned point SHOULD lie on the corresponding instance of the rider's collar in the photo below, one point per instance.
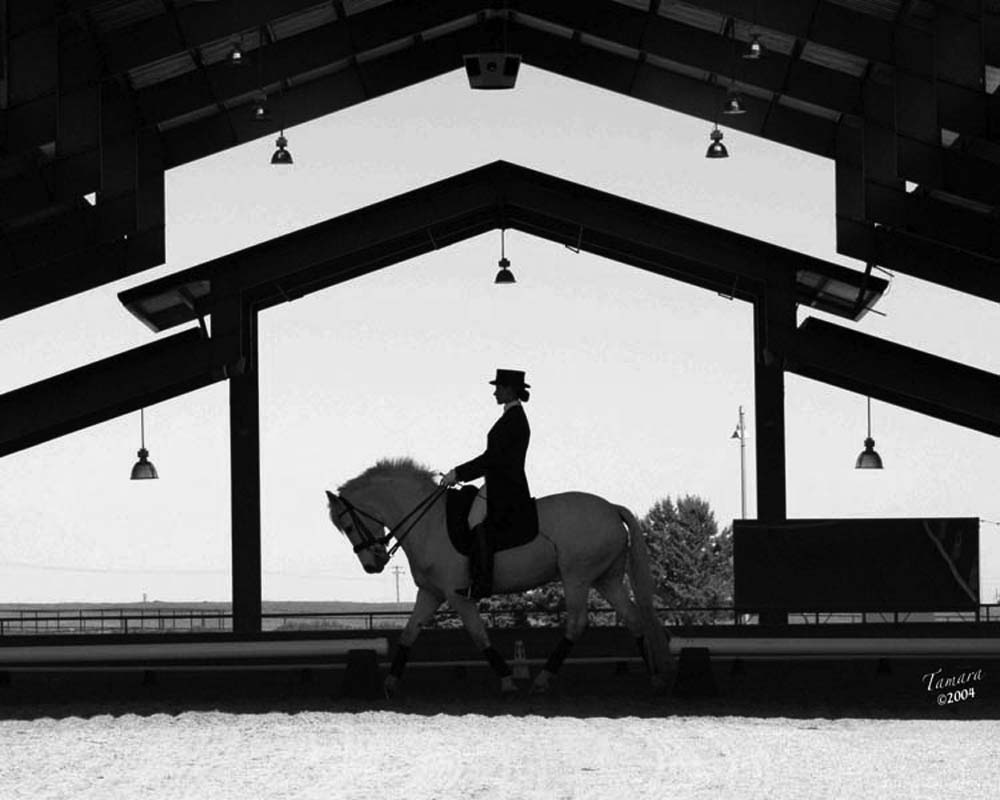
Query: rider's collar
(511, 404)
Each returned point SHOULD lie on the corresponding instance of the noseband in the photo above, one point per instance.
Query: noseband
(369, 540)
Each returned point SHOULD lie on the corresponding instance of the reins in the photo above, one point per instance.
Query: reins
(420, 510)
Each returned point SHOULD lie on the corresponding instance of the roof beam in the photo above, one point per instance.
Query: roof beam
(896, 374)
(109, 388)
(496, 195)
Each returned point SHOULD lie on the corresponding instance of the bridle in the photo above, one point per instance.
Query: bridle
(369, 540)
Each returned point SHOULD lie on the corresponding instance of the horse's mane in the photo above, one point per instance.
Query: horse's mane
(389, 468)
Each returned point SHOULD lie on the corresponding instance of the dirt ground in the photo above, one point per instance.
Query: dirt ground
(418, 756)
(853, 734)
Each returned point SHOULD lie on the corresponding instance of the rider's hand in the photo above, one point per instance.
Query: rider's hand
(449, 478)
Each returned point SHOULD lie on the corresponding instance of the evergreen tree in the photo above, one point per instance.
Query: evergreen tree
(691, 559)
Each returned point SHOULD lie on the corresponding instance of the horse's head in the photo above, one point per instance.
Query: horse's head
(351, 521)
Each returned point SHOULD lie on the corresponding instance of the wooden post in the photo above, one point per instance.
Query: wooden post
(237, 318)
(774, 325)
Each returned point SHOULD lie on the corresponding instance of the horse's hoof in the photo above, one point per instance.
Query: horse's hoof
(390, 686)
(507, 687)
(541, 685)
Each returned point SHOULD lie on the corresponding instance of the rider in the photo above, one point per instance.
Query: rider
(502, 464)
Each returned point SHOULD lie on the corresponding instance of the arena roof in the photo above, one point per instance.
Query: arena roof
(501, 195)
(97, 99)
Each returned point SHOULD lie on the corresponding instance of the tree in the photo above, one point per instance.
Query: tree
(691, 561)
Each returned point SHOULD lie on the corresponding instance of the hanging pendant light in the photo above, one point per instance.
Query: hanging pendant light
(260, 112)
(716, 149)
(143, 469)
(236, 57)
(281, 155)
(734, 103)
(869, 459)
(754, 48)
(504, 275)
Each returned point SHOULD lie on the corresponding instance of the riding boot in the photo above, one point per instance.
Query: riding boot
(480, 565)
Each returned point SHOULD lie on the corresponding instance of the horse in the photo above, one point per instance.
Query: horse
(584, 540)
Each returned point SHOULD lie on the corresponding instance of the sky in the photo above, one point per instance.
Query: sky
(636, 379)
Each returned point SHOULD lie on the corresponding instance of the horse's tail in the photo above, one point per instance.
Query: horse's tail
(657, 640)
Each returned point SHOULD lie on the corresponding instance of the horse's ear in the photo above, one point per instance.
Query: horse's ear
(330, 496)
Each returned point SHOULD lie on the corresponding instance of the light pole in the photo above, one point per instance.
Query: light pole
(740, 433)
(397, 571)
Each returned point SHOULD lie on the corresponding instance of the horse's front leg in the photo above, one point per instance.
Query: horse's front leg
(423, 609)
(468, 612)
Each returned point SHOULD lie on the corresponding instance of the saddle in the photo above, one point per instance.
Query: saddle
(458, 502)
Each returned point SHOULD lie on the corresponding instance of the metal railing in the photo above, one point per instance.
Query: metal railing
(127, 621)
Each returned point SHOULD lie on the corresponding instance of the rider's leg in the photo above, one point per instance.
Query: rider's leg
(480, 564)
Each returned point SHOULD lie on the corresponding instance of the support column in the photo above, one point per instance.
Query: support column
(774, 325)
(244, 455)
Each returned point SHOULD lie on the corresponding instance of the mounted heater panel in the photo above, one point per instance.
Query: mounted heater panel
(492, 70)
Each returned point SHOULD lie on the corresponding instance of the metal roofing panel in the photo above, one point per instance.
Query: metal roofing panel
(544, 25)
(386, 49)
(118, 14)
(320, 72)
(676, 66)
(184, 119)
(642, 5)
(961, 202)
(834, 59)
(303, 21)
(352, 7)
(694, 16)
(611, 47)
(450, 27)
(809, 108)
(162, 70)
(883, 9)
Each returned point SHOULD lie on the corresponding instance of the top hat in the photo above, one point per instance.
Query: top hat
(511, 377)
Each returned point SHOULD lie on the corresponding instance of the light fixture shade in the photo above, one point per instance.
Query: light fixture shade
(504, 275)
(716, 149)
(236, 57)
(754, 49)
(734, 104)
(736, 434)
(869, 459)
(260, 111)
(281, 155)
(143, 468)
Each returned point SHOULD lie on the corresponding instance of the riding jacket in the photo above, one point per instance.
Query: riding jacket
(507, 495)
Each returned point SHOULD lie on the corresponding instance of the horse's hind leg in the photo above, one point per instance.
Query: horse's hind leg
(613, 590)
(576, 624)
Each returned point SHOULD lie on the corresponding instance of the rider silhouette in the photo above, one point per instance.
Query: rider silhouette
(507, 494)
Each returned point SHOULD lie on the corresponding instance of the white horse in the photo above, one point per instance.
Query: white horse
(583, 539)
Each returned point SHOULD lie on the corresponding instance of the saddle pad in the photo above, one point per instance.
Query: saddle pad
(457, 505)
